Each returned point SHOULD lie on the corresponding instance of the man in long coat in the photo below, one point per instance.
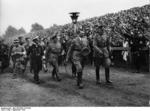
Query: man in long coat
(36, 52)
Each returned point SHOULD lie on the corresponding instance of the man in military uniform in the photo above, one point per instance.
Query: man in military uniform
(66, 46)
(36, 52)
(75, 52)
(52, 53)
(17, 54)
(27, 44)
(43, 43)
(4, 59)
(136, 50)
(21, 40)
(101, 47)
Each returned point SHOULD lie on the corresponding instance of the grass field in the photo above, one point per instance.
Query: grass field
(128, 89)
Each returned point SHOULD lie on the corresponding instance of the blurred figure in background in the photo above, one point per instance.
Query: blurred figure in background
(4, 55)
(125, 53)
(17, 54)
(136, 50)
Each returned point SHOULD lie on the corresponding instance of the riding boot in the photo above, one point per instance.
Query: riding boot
(57, 77)
(97, 75)
(73, 71)
(45, 68)
(2, 70)
(53, 73)
(36, 76)
(57, 72)
(107, 76)
(79, 80)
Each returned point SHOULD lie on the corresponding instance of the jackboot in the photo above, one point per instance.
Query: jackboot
(107, 76)
(36, 77)
(57, 77)
(53, 73)
(79, 80)
(73, 71)
(97, 75)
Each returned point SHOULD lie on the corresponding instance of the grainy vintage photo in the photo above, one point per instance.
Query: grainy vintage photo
(74, 53)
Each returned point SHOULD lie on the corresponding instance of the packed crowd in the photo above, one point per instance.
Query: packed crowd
(132, 23)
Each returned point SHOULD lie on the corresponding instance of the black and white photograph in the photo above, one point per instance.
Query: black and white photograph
(74, 53)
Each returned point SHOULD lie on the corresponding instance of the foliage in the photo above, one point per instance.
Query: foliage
(10, 32)
(36, 27)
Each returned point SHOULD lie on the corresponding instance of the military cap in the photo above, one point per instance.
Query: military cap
(54, 35)
(16, 41)
(35, 38)
(27, 38)
(20, 37)
(99, 26)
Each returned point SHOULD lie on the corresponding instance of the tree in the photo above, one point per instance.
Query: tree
(0, 37)
(10, 32)
(21, 31)
(36, 27)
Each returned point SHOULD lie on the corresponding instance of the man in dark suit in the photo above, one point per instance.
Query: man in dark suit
(36, 52)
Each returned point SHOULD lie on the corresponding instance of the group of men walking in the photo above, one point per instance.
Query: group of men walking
(40, 55)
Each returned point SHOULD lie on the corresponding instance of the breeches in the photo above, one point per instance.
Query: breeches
(106, 62)
(78, 65)
(55, 66)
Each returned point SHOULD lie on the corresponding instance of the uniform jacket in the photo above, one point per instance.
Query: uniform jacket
(53, 51)
(101, 46)
(35, 51)
(75, 49)
(18, 51)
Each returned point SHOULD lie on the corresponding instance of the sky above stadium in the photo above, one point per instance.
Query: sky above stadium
(23, 13)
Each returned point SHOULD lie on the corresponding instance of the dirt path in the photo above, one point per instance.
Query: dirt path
(128, 89)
